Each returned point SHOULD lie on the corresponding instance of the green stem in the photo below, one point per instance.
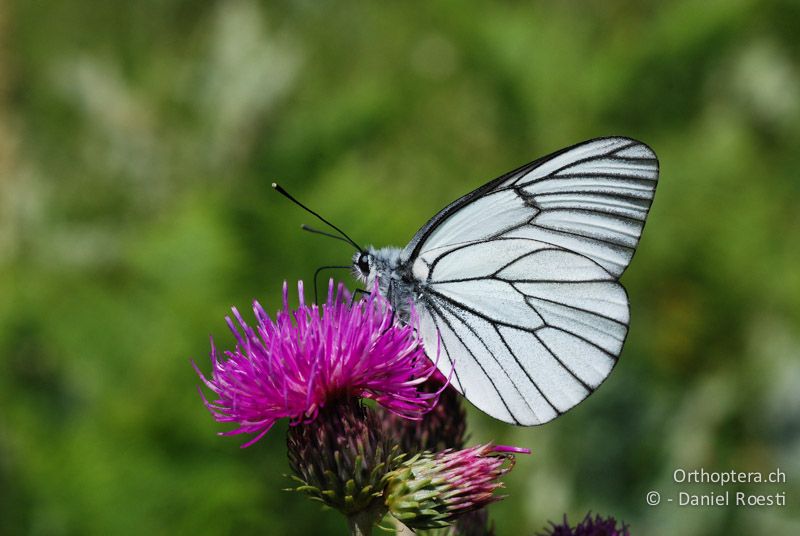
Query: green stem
(361, 523)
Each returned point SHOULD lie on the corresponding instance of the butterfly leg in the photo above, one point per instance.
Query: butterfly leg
(358, 292)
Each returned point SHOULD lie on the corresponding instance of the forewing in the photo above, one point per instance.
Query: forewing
(592, 199)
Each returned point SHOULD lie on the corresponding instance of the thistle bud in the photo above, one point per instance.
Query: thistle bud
(432, 490)
(341, 458)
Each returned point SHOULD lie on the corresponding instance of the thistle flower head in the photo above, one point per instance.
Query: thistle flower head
(433, 490)
(293, 366)
(590, 526)
(342, 459)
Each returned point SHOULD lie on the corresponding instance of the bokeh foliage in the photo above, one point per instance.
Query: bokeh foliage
(137, 144)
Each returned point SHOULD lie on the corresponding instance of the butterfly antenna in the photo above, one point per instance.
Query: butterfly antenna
(287, 195)
(323, 233)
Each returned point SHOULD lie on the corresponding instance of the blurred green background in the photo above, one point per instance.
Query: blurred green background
(137, 144)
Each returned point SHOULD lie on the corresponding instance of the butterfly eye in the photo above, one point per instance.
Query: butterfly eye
(363, 264)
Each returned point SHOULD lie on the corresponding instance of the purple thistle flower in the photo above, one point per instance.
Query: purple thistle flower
(293, 366)
(590, 526)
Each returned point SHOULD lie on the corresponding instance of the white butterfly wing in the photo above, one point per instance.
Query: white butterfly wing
(518, 281)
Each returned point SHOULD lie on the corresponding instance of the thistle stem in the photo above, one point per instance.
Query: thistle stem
(361, 523)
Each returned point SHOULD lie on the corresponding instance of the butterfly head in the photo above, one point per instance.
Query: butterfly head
(371, 266)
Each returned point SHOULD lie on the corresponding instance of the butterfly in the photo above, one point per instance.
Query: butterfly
(516, 284)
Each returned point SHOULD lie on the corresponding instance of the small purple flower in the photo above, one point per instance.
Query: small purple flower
(590, 526)
(293, 366)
